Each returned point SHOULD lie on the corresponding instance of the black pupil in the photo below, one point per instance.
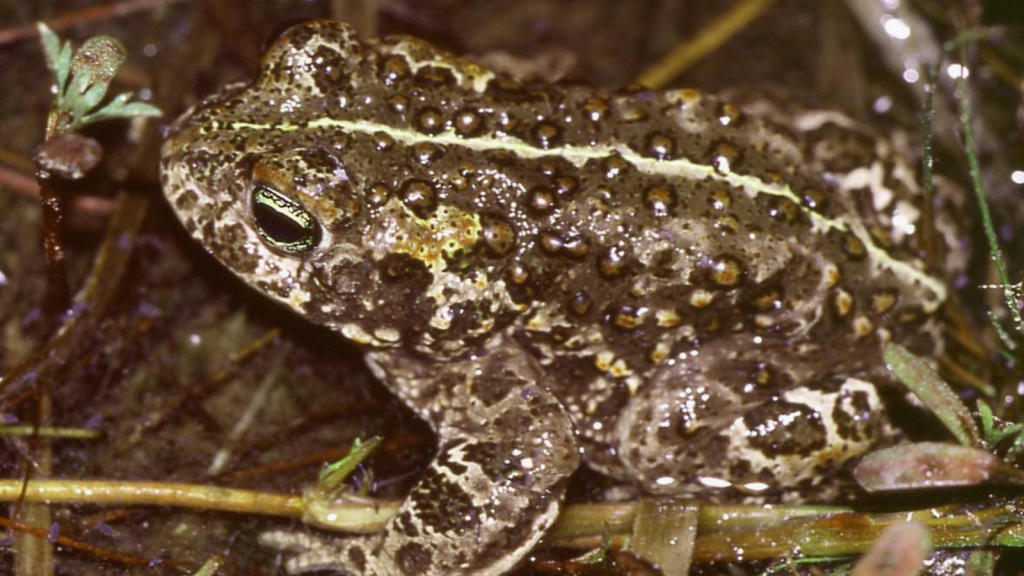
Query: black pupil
(283, 223)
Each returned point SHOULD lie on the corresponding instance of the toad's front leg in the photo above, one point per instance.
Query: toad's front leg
(507, 448)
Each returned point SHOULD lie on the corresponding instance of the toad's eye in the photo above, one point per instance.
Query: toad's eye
(283, 223)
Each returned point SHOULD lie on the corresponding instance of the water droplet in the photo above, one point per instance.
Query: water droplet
(660, 199)
(499, 236)
(546, 135)
(580, 303)
(419, 196)
(613, 262)
(595, 109)
(540, 200)
(393, 69)
(430, 121)
(660, 146)
(468, 123)
(727, 271)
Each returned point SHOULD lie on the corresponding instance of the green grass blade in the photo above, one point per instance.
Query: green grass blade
(934, 392)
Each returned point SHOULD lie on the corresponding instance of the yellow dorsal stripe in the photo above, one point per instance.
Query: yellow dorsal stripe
(579, 155)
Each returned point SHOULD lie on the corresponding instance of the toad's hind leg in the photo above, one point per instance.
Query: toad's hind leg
(727, 418)
(507, 447)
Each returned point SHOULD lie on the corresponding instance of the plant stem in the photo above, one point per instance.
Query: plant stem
(979, 191)
(57, 296)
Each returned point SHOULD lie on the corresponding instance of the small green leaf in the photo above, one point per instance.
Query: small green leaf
(1003, 433)
(58, 57)
(89, 100)
(83, 77)
(113, 109)
(80, 82)
(934, 392)
(335, 473)
(993, 429)
(101, 56)
(117, 109)
(51, 45)
(1015, 449)
(987, 419)
(63, 69)
(120, 100)
(140, 109)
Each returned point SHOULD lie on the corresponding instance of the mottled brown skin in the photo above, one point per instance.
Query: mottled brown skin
(680, 289)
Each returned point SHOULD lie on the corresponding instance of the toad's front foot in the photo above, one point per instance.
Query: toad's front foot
(311, 552)
(492, 491)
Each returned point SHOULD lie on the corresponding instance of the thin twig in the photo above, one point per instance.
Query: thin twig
(710, 37)
(50, 432)
(34, 556)
(203, 385)
(96, 13)
(247, 419)
(21, 184)
(1011, 77)
(93, 299)
(963, 376)
(18, 182)
(79, 545)
(154, 494)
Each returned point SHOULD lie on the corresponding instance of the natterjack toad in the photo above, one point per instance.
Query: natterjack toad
(681, 294)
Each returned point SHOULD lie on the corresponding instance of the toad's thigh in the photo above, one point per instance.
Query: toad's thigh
(687, 432)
